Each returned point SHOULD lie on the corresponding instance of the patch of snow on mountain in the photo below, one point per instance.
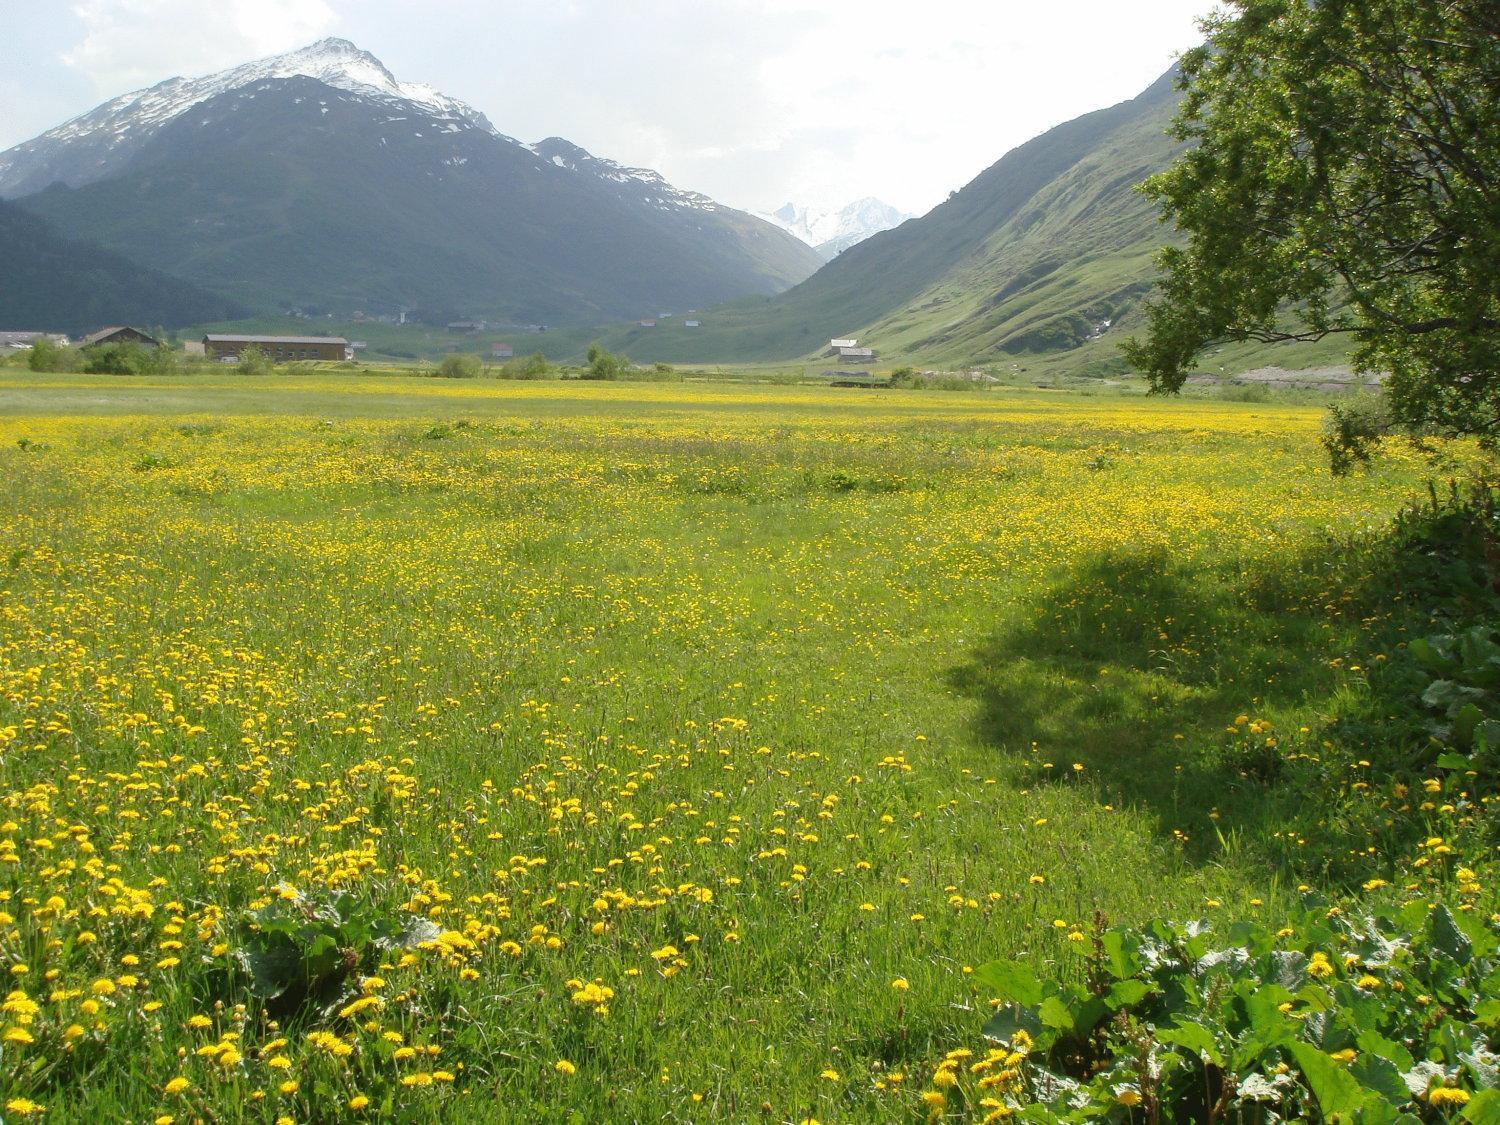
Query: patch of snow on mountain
(334, 62)
(569, 156)
(835, 230)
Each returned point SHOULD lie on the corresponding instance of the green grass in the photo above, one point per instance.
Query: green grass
(500, 654)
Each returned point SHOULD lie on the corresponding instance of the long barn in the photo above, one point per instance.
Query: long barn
(279, 348)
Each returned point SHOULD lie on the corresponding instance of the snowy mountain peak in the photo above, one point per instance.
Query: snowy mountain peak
(832, 231)
(108, 133)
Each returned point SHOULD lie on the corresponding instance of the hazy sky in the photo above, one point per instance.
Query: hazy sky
(755, 102)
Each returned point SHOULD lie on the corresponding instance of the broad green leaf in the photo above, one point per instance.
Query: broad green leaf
(1487, 736)
(1289, 968)
(1338, 1094)
(1087, 1015)
(1010, 980)
(1054, 1013)
(1446, 937)
(1122, 953)
(1009, 1019)
(1466, 722)
(1483, 1108)
(1430, 657)
(1372, 1042)
(1382, 1076)
(1196, 1038)
(1482, 1067)
(1266, 1017)
(1127, 993)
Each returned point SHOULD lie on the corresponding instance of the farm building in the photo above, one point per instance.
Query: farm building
(690, 323)
(279, 348)
(118, 336)
(834, 346)
(648, 324)
(856, 355)
(502, 351)
(20, 341)
(469, 326)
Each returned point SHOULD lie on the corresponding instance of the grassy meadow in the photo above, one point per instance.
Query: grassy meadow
(717, 732)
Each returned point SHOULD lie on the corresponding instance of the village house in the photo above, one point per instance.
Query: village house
(118, 335)
(467, 326)
(648, 324)
(502, 351)
(690, 323)
(278, 348)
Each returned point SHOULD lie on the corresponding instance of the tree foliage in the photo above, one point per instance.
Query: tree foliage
(1342, 176)
(605, 365)
(48, 356)
(457, 365)
(129, 359)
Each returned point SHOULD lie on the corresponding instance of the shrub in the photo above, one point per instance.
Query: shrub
(604, 365)
(253, 361)
(48, 356)
(527, 367)
(460, 366)
(1354, 430)
(129, 359)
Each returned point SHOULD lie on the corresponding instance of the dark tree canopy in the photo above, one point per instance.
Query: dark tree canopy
(1343, 176)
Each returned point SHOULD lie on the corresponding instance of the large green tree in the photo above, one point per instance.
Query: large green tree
(1342, 175)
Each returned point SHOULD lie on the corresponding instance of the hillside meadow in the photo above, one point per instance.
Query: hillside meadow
(645, 752)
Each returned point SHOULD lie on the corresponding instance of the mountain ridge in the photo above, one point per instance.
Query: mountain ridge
(291, 192)
(49, 283)
(1032, 257)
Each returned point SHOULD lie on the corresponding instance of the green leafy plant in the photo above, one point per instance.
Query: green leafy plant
(301, 949)
(1465, 690)
(1384, 1016)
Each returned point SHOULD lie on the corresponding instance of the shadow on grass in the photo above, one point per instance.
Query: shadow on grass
(1157, 677)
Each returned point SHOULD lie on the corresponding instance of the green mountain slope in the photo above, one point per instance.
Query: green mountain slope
(52, 284)
(1032, 257)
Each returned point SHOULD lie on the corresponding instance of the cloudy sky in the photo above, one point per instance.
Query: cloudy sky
(755, 102)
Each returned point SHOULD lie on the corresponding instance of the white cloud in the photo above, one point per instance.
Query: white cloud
(819, 101)
(755, 102)
(133, 43)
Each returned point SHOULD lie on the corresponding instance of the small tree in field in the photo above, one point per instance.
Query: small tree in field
(604, 365)
(253, 361)
(1343, 177)
(459, 366)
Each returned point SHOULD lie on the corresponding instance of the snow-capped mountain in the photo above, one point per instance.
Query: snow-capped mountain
(831, 232)
(101, 143)
(567, 155)
(317, 179)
